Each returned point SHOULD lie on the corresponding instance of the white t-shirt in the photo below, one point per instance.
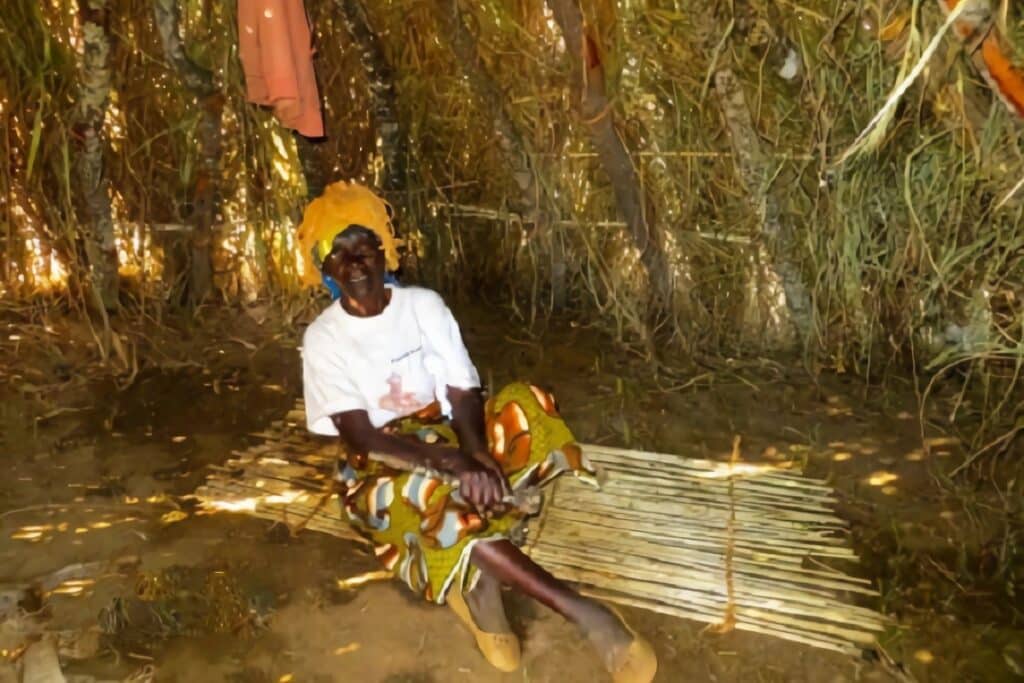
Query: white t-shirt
(389, 365)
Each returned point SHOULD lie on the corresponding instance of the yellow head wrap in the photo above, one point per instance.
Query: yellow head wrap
(341, 205)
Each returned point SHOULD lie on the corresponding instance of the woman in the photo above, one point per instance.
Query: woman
(385, 369)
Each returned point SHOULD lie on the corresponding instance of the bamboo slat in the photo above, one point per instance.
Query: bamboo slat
(717, 542)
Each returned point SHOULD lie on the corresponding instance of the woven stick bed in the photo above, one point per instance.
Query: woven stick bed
(730, 544)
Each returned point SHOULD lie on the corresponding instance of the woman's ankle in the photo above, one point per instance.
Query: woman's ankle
(486, 605)
(603, 627)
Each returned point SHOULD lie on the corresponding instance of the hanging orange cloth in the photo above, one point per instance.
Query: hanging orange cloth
(993, 58)
(276, 49)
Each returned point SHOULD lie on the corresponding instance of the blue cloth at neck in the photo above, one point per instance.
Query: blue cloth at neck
(332, 286)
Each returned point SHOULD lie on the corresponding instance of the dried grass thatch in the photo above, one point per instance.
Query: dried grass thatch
(909, 254)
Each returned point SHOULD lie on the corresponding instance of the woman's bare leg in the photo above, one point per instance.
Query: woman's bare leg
(502, 562)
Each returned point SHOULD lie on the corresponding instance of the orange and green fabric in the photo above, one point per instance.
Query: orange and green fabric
(421, 528)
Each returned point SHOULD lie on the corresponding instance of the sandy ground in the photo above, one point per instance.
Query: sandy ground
(94, 474)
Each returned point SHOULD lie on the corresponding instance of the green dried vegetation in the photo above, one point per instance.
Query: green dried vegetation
(913, 253)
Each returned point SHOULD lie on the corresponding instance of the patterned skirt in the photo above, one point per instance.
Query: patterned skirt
(421, 528)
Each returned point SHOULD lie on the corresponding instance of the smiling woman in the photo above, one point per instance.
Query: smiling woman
(385, 370)
(354, 261)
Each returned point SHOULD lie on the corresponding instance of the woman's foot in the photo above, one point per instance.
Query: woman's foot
(483, 614)
(605, 631)
(628, 657)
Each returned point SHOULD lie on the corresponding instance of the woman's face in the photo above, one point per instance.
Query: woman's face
(357, 265)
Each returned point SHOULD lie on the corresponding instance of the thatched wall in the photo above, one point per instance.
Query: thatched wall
(734, 115)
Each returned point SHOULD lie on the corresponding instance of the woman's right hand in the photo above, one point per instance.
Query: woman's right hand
(478, 484)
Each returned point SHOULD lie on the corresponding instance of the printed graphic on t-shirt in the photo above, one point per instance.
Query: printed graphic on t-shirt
(406, 355)
(398, 401)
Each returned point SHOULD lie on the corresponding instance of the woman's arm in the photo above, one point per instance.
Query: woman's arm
(468, 420)
(360, 436)
(469, 425)
(478, 483)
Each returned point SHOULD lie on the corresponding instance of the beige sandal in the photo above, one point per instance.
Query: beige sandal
(637, 663)
(501, 650)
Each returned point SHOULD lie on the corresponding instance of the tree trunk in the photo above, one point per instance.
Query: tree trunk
(205, 195)
(534, 202)
(380, 75)
(311, 158)
(777, 279)
(596, 111)
(93, 98)
(11, 254)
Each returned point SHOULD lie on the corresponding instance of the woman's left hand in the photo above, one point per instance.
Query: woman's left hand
(496, 474)
(489, 463)
(481, 481)
(488, 485)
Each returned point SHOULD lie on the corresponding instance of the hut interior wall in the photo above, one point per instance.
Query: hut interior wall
(910, 253)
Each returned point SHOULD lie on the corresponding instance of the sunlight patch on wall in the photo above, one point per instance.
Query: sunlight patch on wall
(282, 160)
(882, 478)
(46, 272)
(364, 578)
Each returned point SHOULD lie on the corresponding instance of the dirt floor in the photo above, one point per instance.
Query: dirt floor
(96, 479)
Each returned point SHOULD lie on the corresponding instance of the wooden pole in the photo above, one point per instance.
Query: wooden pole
(205, 199)
(778, 275)
(596, 113)
(93, 99)
(381, 79)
